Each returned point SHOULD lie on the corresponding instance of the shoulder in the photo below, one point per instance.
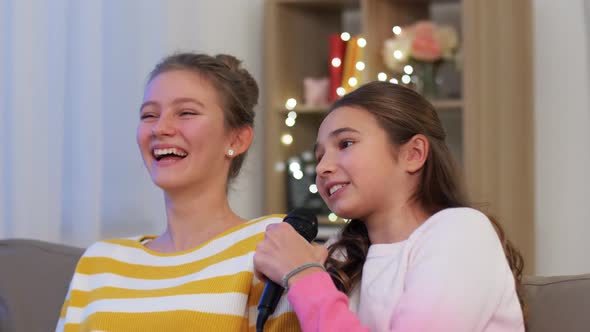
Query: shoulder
(258, 225)
(457, 222)
(268, 219)
(110, 247)
(464, 230)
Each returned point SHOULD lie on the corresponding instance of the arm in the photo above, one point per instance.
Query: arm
(64, 309)
(62, 315)
(320, 306)
(457, 277)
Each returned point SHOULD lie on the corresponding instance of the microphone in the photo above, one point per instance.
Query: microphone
(306, 224)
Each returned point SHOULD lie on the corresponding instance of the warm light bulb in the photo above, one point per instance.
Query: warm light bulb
(287, 139)
(290, 122)
(382, 77)
(406, 79)
(360, 65)
(298, 175)
(397, 30)
(393, 80)
(340, 91)
(361, 42)
(408, 69)
(313, 188)
(336, 62)
(294, 166)
(291, 103)
(398, 54)
(345, 36)
(292, 115)
(352, 81)
(332, 217)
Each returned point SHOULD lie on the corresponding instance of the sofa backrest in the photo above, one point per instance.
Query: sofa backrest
(34, 279)
(559, 303)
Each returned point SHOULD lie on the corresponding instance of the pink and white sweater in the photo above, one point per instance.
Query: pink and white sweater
(449, 275)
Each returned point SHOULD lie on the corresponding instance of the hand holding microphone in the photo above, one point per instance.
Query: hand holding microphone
(285, 247)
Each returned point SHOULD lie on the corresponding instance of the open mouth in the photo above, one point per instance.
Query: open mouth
(169, 154)
(335, 188)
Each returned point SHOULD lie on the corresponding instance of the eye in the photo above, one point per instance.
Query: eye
(188, 112)
(146, 116)
(343, 144)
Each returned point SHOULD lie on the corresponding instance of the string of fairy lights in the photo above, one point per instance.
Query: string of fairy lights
(352, 81)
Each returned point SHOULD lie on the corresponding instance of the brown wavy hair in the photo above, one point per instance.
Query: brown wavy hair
(403, 113)
(237, 89)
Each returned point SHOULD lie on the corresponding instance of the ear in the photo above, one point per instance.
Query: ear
(241, 139)
(414, 153)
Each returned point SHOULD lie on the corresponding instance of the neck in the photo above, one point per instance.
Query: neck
(194, 218)
(396, 223)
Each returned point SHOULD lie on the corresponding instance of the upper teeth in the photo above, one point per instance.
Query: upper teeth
(163, 152)
(336, 187)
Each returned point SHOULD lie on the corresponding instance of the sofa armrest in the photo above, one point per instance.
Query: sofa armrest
(34, 280)
(559, 303)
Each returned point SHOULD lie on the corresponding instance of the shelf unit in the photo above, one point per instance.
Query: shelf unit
(494, 113)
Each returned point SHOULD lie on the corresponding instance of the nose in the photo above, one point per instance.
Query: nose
(163, 127)
(326, 165)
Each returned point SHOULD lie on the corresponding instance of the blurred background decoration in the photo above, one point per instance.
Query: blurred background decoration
(415, 53)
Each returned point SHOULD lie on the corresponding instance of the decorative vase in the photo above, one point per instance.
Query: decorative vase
(426, 78)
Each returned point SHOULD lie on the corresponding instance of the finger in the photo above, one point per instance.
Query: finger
(258, 263)
(270, 227)
(320, 252)
(260, 276)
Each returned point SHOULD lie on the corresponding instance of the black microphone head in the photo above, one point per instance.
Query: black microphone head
(304, 221)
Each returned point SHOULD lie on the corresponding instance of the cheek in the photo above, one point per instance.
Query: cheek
(321, 188)
(143, 138)
(142, 135)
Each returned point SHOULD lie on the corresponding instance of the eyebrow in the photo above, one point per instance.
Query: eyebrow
(336, 133)
(174, 102)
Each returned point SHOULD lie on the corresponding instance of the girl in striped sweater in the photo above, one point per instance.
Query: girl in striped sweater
(195, 127)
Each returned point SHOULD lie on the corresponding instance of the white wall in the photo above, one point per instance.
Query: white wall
(163, 27)
(562, 136)
(71, 81)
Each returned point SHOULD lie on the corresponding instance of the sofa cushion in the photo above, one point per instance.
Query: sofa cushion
(559, 303)
(34, 279)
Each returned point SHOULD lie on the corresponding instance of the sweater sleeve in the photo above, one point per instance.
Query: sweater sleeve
(320, 306)
(457, 277)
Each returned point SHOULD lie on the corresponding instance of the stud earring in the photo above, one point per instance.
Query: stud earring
(230, 152)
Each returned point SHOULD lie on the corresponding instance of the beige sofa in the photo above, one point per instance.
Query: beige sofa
(34, 277)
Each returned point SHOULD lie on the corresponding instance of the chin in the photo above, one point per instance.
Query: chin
(345, 211)
(168, 183)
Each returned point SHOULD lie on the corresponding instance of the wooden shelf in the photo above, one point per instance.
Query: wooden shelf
(439, 104)
(305, 109)
(321, 4)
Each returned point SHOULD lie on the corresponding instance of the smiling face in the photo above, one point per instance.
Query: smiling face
(181, 133)
(357, 171)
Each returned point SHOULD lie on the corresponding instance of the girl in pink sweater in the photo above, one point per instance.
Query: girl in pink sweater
(415, 256)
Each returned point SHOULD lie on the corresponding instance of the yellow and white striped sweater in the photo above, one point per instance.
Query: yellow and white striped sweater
(120, 285)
